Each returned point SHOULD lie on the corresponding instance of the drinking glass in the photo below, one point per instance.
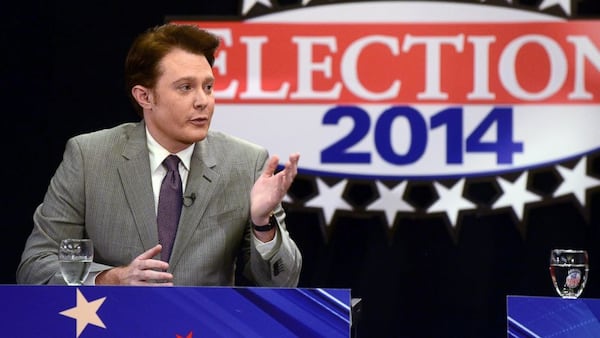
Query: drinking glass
(75, 258)
(569, 271)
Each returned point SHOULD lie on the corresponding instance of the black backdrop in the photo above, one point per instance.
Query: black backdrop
(62, 75)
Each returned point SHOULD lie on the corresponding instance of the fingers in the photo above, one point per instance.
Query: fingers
(148, 254)
(150, 264)
(271, 166)
(294, 157)
(292, 163)
(155, 278)
(144, 270)
(291, 166)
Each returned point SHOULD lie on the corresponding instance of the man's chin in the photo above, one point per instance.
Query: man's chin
(197, 136)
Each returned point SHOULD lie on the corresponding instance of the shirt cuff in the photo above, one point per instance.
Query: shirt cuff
(266, 249)
(91, 278)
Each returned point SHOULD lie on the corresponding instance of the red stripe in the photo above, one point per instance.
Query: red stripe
(378, 67)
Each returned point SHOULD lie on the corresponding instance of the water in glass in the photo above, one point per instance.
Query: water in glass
(75, 258)
(569, 271)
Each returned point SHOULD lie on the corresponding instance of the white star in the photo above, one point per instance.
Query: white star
(330, 199)
(451, 201)
(515, 195)
(390, 201)
(564, 4)
(248, 4)
(287, 199)
(576, 181)
(85, 312)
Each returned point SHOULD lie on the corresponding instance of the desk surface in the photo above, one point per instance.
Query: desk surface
(552, 317)
(186, 312)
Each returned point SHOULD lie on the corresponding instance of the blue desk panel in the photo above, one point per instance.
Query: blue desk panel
(553, 317)
(173, 312)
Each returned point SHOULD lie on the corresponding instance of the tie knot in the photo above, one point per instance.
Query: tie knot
(171, 163)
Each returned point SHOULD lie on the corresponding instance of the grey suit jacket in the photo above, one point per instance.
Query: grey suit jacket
(102, 190)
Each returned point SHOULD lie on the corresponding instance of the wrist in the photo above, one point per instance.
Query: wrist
(101, 278)
(107, 277)
(265, 225)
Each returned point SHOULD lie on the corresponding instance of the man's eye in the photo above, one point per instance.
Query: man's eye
(208, 87)
(185, 87)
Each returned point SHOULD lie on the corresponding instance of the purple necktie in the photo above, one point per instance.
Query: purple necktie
(169, 206)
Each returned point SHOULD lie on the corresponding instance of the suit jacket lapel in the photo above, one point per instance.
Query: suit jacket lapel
(202, 182)
(136, 179)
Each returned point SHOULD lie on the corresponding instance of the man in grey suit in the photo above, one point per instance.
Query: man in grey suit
(107, 186)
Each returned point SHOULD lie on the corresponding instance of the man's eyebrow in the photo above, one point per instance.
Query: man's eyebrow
(185, 79)
(193, 79)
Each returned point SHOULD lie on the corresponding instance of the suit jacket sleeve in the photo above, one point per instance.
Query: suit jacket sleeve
(283, 268)
(61, 215)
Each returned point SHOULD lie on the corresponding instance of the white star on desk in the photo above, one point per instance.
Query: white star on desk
(451, 201)
(248, 4)
(390, 201)
(85, 312)
(515, 195)
(576, 181)
(330, 199)
(564, 4)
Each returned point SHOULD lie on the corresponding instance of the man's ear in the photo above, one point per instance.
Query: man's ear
(142, 95)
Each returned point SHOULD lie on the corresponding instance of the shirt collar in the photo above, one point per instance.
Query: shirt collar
(158, 153)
